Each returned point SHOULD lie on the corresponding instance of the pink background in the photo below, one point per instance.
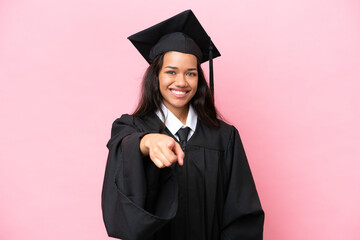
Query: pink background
(288, 79)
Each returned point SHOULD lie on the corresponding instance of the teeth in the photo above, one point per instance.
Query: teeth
(178, 92)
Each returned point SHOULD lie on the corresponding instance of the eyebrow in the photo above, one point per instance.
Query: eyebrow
(189, 69)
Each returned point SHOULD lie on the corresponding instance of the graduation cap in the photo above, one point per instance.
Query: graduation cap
(181, 33)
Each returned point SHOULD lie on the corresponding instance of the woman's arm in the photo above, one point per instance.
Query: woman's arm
(243, 215)
(125, 190)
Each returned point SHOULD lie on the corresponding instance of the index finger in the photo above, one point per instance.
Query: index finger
(179, 153)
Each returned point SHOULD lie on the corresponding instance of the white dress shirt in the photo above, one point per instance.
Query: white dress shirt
(174, 124)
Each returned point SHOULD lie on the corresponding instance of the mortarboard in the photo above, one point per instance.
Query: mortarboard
(181, 33)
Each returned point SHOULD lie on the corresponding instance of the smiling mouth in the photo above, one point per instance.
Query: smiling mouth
(178, 93)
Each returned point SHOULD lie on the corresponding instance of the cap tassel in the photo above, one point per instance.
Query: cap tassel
(211, 74)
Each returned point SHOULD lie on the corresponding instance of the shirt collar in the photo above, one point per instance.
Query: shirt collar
(174, 124)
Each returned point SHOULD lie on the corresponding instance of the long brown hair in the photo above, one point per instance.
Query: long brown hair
(151, 98)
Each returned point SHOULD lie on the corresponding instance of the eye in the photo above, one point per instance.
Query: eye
(171, 72)
(191, 74)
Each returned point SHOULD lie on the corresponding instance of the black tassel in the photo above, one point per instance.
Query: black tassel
(211, 74)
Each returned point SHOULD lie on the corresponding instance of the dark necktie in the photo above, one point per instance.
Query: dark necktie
(183, 134)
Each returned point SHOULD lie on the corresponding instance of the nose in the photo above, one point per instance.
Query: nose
(180, 80)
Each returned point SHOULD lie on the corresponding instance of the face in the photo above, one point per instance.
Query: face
(178, 80)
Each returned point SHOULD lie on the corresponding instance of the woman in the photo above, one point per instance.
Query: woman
(175, 171)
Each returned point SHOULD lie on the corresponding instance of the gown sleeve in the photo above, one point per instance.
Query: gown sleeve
(128, 188)
(243, 216)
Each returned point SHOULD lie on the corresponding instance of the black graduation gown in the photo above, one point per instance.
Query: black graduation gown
(211, 197)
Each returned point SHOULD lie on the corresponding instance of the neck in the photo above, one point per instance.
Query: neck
(182, 115)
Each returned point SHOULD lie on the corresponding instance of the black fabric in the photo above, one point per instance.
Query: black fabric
(153, 41)
(178, 42)
(211, 197)
(183, 135)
